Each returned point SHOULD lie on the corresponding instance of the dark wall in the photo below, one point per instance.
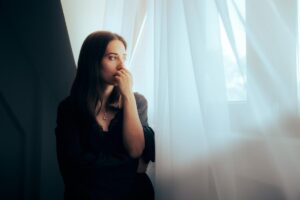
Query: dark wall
(36, 72)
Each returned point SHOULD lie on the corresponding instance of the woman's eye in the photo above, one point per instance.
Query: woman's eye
(112, 58)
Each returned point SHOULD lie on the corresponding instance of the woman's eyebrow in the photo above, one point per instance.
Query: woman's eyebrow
(124, 54)
(111, 53)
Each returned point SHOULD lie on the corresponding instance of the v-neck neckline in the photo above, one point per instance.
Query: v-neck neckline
(109, 125)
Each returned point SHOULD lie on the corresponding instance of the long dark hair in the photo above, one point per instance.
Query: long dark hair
(87, 86)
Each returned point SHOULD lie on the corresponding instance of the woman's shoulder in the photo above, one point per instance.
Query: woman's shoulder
(140, 99)
(142, 106)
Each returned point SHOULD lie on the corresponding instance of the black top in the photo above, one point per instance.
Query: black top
(94, 164)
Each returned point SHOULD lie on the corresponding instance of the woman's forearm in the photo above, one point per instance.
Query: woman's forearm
(133, 136)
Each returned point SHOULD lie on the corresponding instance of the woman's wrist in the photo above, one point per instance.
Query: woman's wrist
(128, 97)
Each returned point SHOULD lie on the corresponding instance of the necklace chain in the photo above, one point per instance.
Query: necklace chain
(105, 116)
(105, 113)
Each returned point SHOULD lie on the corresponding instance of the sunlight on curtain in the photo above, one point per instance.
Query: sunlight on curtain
(226, 99)
(235, 73)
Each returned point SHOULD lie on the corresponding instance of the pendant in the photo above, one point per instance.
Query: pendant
(105, 116)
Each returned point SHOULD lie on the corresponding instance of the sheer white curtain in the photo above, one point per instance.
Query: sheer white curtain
(226, 99)
(221, 79)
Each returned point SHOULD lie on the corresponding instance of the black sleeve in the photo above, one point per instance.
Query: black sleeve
(69, 147)
(142, 106)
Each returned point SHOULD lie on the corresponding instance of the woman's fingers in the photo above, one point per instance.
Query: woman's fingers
(123, 73)
(123, 81)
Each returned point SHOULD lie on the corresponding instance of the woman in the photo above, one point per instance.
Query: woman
(103, 139)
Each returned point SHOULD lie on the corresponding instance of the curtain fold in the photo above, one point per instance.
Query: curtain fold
(209, 146)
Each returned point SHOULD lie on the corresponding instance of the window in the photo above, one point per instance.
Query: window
(235, 65)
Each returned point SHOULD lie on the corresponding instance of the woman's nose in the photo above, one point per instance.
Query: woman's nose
(121, 64)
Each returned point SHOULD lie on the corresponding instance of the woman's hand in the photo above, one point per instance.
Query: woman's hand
(124, 81)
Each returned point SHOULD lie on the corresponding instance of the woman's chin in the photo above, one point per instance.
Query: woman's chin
(110, 82)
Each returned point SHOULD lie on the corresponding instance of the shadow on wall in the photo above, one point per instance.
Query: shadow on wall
(37, 69)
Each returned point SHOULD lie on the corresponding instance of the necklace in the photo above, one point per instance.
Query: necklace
(105, 116)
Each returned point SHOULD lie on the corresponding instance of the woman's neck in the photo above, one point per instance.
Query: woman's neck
(107, 90)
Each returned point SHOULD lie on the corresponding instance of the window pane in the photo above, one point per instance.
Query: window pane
(235, 65)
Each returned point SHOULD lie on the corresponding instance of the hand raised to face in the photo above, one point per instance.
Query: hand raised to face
(124, 81)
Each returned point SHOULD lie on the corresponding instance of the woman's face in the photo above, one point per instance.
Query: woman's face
(112, 61)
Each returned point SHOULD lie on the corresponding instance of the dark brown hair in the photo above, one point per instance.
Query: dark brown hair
(88, 83)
